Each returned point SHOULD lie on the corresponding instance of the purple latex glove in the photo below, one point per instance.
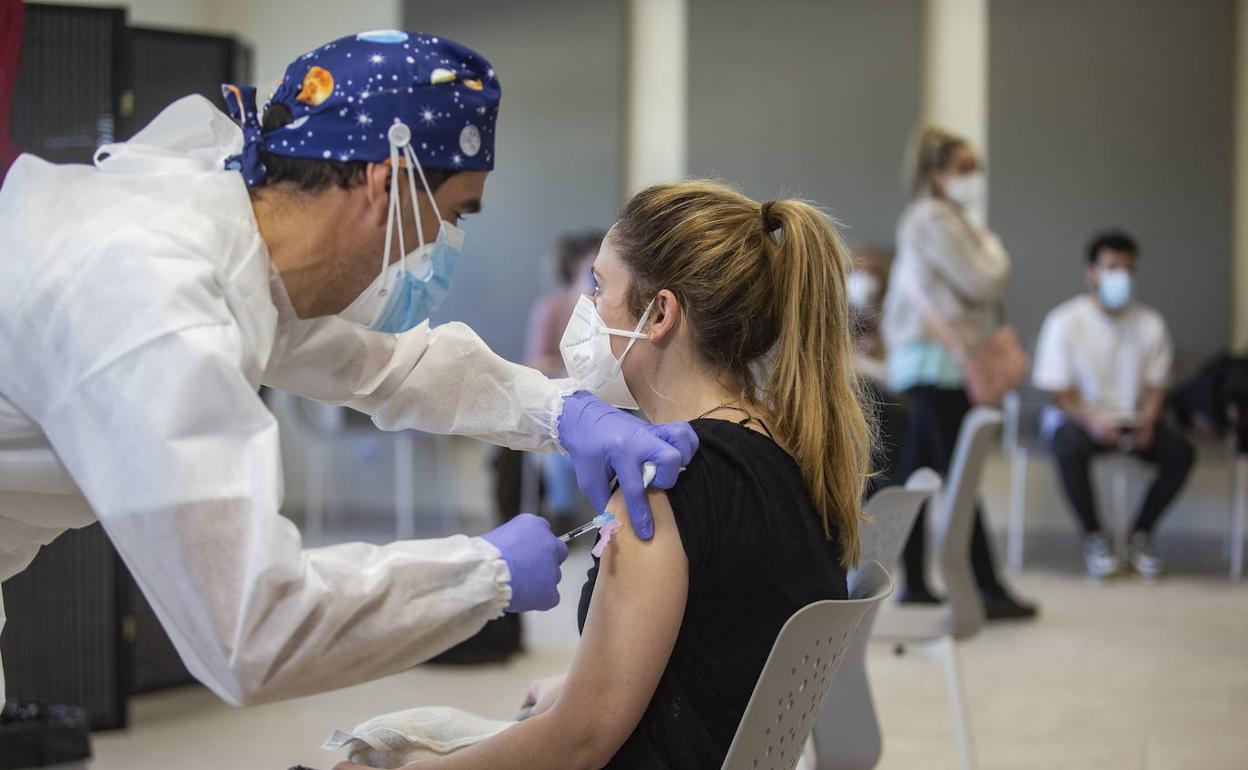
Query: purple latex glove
(607, 443)
(533, 555)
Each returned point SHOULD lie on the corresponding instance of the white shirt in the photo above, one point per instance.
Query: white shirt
(1108, 360)
(138, 317)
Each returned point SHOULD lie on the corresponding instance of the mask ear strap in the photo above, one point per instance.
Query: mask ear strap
(396, 207)
(411, 159)
(391, 208)
(411, 184)
(636, 333)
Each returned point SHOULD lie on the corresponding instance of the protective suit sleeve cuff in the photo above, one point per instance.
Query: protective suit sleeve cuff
(563, 389)
(502, 575)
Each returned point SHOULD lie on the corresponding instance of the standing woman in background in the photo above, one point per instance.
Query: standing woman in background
(943, 301)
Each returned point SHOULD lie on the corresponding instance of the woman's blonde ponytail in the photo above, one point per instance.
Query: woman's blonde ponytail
(813, 389)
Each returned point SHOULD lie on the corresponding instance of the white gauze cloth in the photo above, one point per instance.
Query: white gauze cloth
(393, 740)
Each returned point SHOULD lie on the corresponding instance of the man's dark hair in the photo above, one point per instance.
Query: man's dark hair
(1114, 240)
(570, 249)
(312, 175)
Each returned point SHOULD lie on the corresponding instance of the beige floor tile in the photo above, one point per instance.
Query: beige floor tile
(1115, 677)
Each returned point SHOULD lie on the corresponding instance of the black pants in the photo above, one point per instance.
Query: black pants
(933, 418)
(1074, 449)
(890, 415)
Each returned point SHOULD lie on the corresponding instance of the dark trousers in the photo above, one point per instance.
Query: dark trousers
(933, 418)
(890, 415)
(1074, 449)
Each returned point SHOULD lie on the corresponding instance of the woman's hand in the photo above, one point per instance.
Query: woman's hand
(541, 696)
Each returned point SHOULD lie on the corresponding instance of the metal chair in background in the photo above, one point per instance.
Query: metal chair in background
(319, 426)
(801, 667)
(935, 630)
(847, 733)
(1022, 436)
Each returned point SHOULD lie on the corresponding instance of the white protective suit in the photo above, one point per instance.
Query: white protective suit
(138, 318)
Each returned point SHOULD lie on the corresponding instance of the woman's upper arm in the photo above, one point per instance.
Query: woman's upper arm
(634, 617)
(972, 264)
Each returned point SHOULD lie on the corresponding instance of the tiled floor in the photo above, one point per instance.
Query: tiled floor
(1121, 676)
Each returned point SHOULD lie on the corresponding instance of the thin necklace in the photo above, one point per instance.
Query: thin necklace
(725, 405)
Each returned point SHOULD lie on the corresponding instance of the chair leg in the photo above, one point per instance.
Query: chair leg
(404, 486)
(957, 703)
(1238, 514)
(1121, 504)
(1018, 511)
(446, 450)
(315, 483)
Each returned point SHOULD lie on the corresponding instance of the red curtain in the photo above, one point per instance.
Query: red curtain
(12, 15)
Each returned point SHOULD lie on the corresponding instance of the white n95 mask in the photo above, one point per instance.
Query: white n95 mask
(408, 290)
(967, 190)
(586, 349)
(861, 288)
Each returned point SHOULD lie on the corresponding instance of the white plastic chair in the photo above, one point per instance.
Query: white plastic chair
(318, 426)
(1239, 516)
(933, 630)
(802, 665)
(847, 733)
(1021, 438)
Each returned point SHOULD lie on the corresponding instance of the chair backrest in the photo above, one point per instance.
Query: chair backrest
(847, 732)
(1024, 410)
(892, 512)
(797, 674)
(955, 517)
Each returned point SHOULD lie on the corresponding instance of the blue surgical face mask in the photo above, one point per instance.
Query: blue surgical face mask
(1114, 288)
(408, 291)
(417, 293)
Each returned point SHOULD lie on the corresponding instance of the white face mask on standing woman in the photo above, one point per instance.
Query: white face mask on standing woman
(967, 190)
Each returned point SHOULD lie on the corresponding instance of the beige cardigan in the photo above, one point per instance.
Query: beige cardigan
(957, 269)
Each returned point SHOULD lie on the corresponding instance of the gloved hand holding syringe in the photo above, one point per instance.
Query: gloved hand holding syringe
(602, 519)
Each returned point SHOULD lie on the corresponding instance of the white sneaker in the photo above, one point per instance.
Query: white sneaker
(1144, 560)
(1099, 558)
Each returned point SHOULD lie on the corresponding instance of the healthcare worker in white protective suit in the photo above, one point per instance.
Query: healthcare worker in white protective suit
(143, 301)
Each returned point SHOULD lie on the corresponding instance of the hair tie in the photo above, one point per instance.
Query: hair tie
(770, 224)
(241, 102)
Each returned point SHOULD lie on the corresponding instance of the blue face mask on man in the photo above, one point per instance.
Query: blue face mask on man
(1113, 286)
(408, 290)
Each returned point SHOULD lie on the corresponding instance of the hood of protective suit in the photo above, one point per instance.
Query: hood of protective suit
(60, 225)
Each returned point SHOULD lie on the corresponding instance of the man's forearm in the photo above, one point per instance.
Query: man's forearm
(1073, 406)
(1151, 405)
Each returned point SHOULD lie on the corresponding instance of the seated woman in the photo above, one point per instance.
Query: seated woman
(741, 320)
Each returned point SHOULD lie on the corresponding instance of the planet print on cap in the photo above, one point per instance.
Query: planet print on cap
(470, 140)
(383, 36)
(318, 85)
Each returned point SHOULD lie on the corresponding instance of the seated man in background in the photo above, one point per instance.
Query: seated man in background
(1106, 360)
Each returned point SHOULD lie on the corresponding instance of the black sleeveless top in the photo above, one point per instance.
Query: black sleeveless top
(757, 554)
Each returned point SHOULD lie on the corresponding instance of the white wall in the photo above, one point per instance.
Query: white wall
(1239, 200)
(656, 110)
(955, 71)
(281, 30)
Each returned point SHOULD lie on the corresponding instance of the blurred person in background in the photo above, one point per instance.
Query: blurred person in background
(943, 301)
(864, 289)
(1106, 360)
(574, 259)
